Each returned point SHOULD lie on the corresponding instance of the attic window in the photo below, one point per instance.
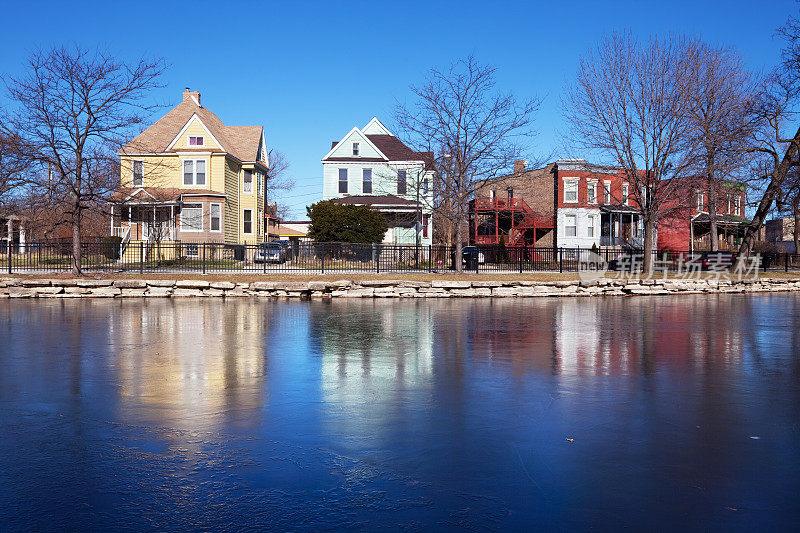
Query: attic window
(195, 140)
(355, 148)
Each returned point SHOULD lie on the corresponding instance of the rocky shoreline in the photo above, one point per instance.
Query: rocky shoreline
(157, 288)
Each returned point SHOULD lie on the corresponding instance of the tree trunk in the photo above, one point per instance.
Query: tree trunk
(796, 229)
(712, 212)
(764, 206)
(77, 251)
(459, 235)
(649, 230)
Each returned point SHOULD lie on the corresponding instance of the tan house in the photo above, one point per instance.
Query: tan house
(189, 178)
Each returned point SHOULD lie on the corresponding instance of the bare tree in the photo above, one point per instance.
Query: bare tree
(13, 166)
(775, 107)
(631, 101)
(722, 123)
(277, 181)
(474, 131)
(74, 108)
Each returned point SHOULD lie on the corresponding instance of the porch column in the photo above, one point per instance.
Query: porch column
(21, 237)
(10, 237)
(112, 220)
(172, 222)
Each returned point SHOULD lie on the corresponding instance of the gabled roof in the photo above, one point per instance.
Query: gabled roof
(242, 142)
(387, 144)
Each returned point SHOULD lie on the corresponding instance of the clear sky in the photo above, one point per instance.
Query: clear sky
(310, 71)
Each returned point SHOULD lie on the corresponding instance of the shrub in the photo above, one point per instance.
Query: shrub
(335, 222)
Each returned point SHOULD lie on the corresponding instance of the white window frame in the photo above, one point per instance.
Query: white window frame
(567, 226)
(699, 200)
(591, 188)
(202, 217)
(364, 172)
(737, 206)
(245, 222)
(625, 194)
(607, 192)
(356, 149)
(405, 182)
(571, 185)
(200, 138)
(244, 181)
(194, 173)
(346, 181)
(133, 173)
(211, 217)
(590, 227)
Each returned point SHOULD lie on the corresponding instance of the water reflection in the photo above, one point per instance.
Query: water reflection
(195, 415)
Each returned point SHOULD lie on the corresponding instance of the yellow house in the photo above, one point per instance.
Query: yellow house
(189, 178)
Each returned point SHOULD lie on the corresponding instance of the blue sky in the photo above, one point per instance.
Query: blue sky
(310, 71)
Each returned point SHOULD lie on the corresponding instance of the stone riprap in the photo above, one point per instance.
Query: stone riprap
(129, 288)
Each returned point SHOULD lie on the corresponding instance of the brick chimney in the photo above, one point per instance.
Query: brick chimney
(194, 95)
(519, 166)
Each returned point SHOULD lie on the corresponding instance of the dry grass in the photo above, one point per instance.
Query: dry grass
(423, 276)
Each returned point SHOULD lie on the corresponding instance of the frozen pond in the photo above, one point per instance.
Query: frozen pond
(411, 415)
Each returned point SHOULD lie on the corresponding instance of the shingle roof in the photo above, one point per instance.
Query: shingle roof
(393, 148)
(386, 199)
(240, 141)
(157, 194)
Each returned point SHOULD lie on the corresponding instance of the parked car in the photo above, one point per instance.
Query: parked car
(270, 252)
(715, 260)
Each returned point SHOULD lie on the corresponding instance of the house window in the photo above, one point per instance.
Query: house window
(425, 226)
(342, 180)
(510, 193)
(195, 140)
(570, 226)
(192, 217)
(606, 192)
(216, 217)
(366, 186)
(737, 206)
(590, 227)
(194, 172)
(248, 182)
(425, 186)
(591, 192)
(138, 173)
(699, 200)
(355, 149)
(248, 221)
(625, 193)
(402, 185)
(570, 191)
(192, 250)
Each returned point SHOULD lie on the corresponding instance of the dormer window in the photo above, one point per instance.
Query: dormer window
(355, 149)
(196, 140)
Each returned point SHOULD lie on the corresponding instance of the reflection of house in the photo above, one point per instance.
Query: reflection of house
(372, 167)
(191, 178)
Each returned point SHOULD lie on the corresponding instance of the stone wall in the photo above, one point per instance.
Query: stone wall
(126, 288)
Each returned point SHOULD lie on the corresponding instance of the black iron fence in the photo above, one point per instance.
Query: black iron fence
(316, 258)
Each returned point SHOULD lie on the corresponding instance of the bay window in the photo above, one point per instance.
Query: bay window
(192, 217)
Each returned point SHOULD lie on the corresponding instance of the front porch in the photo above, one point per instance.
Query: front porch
(621, 226)
(730, 232)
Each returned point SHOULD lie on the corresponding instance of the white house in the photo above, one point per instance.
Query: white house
(370, 166)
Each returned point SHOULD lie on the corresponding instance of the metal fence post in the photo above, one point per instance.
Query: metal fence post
(786, 262)
(8, 248)
(323, 259)
(519, 257)
(204, 257)
(560, 260)
(377, 259)
(430, 258)
(141, 257)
